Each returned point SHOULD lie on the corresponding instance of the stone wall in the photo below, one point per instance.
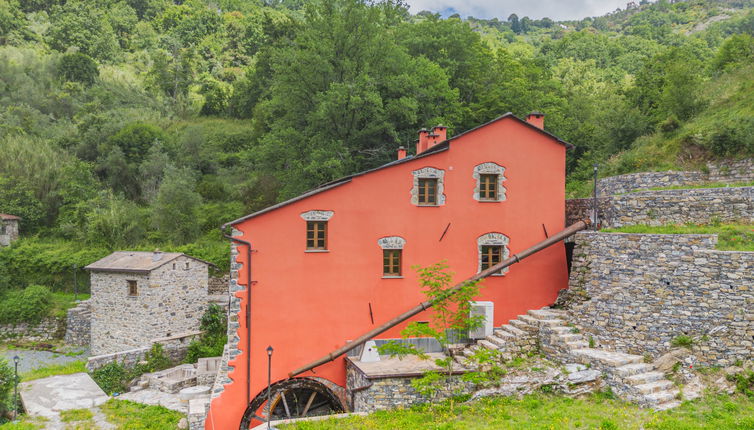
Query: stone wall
(374, 394)
(702, 205)
(732, 171)
(8, 231)
(175, 348)
(622, 184)
(218, 286)
(78, 327)
(47, 330)
(171, 299)
(637, 292)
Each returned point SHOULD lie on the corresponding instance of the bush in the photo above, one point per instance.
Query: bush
(78, 67)
(114, 377)
(6, 387)
(682, 340)
(213, 338)
(744, 382)
(26, 306)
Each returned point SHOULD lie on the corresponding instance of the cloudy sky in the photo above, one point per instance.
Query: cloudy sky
(555, 9)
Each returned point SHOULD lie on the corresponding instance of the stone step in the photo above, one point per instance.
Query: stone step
(644, 378)
(655, 387)
(496, 340)
(522, 326)
(468, 352)
(506, 335)
(559, 312)
(578, 344)
(542, 314)
(667, 405)
(661, 397)
(562, 329)
(633, 369)
(529, 320)
(570, 337)
(610, 358)
(487, 344)
(512, 329)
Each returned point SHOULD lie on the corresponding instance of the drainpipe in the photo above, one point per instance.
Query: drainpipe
(248, 311)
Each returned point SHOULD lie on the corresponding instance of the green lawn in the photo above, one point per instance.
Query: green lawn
(128, 415)
(54, 369)
(730, 237)
(540, 411)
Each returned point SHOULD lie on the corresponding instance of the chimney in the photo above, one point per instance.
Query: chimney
(438, 135)
(157, 255)
(423, 142)
(537, 119)
(401, 153)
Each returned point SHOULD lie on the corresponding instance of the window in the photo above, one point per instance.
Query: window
(187, 265)
(491, 255)
(489, 182)
(391, 262)
(487, 187)
(133, 289)
(316, 235)
(427, 191)
(493, 248)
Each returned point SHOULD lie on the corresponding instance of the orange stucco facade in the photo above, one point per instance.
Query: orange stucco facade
(307, 304)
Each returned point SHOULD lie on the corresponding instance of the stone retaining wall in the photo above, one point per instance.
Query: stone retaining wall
(622, 184)
(79, 325)
(637, 292)
(731, 171)
(702, 205)
(47, 330)
(175, 348)
(218, 286)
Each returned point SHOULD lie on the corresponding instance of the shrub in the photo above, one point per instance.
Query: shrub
(744, 382)
(682, 340)
(112, 377)
(213, 338)
(78, 67)
(29, 305)
(156, 359)
(6, 387)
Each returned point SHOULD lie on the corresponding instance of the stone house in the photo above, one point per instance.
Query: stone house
(137, 297)
(8, 229)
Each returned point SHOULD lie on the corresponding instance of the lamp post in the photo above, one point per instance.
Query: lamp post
(75, 281)
(15, 388)
(269, 384)
(594, 225)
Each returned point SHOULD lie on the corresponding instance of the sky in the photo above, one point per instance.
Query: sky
(558, 10)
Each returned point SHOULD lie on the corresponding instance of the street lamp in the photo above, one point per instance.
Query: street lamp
(15, 388)
(75, 281)
(269, 384)
(594, 226)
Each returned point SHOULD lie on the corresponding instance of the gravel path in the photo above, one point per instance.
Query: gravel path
(32, 359)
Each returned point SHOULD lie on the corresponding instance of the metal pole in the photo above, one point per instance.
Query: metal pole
(75, 282)
(595, 206)
(15, 389)
(269, 384)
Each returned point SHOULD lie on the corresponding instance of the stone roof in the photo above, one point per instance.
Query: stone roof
(8, 217)
(136, 261)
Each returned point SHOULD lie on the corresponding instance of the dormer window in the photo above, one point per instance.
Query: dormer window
(428, 187)
(316, 229)
(489, 183)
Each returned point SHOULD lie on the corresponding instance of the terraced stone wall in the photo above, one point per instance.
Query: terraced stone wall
(622, 184)
(638, 292)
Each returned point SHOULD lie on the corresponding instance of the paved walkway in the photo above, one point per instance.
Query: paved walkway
(48, 396)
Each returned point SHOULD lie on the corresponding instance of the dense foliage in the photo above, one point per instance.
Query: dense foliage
(7, 376)
(114, 377)
(29, 305)
(214, 336)
(137, 124)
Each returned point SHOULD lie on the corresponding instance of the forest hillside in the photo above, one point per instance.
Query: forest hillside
(143, 124)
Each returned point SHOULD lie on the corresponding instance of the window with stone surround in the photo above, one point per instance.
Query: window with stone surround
(428, 187)
(489, 182)
(392, 256)
(492, 249)
(133, 288)
(316, 229)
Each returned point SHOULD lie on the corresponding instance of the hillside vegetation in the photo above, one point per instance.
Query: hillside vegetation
(143, 124)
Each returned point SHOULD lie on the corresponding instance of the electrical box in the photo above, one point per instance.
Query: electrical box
(487, 311)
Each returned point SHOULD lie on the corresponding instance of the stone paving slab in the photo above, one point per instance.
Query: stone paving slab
(48, 396)
(151, 396)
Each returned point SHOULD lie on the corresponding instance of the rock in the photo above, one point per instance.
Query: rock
(583, 376)
(574, 367)
(693, 389)
(666, 362)
(183, 424)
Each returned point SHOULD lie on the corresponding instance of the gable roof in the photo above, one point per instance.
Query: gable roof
(8, 217)
(440, 147)
(137, 261)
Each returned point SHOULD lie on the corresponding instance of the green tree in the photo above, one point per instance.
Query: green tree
(78, 67)
(114, 222)
(735, 51)
(176, 208)
(82, 25)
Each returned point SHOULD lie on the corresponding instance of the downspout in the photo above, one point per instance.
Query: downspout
(248, 311)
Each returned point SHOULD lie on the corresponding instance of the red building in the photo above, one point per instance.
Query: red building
(331, 264)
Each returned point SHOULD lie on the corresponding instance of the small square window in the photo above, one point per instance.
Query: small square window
(316, 235)
(488, 187)
(391, 262)
(133, 289)
(427, 191)
(491, 255)
(187, 265)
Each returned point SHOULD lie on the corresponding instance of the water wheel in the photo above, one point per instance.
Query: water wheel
(292, 398)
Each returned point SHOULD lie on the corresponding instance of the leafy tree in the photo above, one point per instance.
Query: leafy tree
(78, 67)
(515, 24)
(213, 338)
(11, 18)
(176, 208)
(7, 383)
(80, 24)
(18, 199)
(735, 51)
(135, 139)
(114, 222)
(216, 95)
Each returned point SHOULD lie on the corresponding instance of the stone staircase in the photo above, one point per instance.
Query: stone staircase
(547, 330)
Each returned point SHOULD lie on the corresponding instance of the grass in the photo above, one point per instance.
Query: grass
(61, 302)
(55, 369)
(25, 422)
(730, 237)
(128, 415)
(72, 415)
(540, 411)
